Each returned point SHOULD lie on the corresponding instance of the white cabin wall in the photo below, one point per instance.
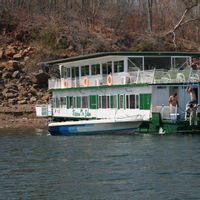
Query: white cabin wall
(160, 96)
(183, 98)
(102, 113)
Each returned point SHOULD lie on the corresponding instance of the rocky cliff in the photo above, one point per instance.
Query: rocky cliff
(20, 89)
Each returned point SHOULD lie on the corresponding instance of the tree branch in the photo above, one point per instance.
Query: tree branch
(190, 20)
(179, 23)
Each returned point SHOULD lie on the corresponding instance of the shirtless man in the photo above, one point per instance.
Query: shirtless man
(193, 98)
(173, 103)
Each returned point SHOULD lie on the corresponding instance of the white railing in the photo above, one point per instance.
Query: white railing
(148, 76)
(43, 110)
(54, 83)
(166, 112)
(177, 76)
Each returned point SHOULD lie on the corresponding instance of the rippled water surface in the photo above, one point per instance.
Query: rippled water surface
(34, 165)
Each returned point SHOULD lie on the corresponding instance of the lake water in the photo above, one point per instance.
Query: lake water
(34, 165)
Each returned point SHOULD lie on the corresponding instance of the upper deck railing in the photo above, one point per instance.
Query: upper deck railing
(155, 76)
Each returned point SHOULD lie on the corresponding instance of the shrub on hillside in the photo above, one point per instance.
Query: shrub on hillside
(48, 37)
(8, 22)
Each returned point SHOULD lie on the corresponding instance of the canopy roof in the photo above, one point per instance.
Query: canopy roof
(103, 54)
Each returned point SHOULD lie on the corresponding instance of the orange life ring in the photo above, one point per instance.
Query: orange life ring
(109, 80)
(65, 83)
(85, 82)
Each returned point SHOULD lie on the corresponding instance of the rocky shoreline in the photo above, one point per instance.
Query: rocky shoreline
(20, 89)
(23, 123)
(20, 116)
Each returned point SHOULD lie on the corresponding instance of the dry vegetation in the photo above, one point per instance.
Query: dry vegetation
(64, 28)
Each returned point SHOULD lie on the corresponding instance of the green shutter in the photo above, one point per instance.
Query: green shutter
(145, 101)
(78, 102)
(69, 102)
(93, 102)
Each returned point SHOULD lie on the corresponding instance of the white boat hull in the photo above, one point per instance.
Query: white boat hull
(92, 127)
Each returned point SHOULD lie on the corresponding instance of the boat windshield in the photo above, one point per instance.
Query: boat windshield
(165, 62)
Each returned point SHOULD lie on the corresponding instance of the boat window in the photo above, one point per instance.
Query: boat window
(57, 102)
(75, 72)
(157, 63)
(84, 102)
(137, 101)
(121, 101)
(135, 63)
(63, 72)
(118, 66)
(132, 101)
(74, 102)
(63, 102)
(68, 73)
(104, 101)
(113, 101)
(52, 102)
(107, 101)
(85, 70)
(100, 101)
(180, 62)
(107, 68)
(127, 101)
(95, 69)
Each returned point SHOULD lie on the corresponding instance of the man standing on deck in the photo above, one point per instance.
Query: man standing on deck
(173, 103)
(192, 106)
(193, 98)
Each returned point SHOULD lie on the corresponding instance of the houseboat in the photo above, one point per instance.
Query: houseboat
(123, 92)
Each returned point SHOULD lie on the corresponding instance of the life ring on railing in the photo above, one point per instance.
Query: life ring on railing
(65, 83)
(85, 82)
(109, 79)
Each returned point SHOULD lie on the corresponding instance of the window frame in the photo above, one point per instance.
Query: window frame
(95, 69)
(107, 68)
(119, 66)
(85, 70)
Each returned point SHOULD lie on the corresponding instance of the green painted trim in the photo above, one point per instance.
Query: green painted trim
(145, 101)
(111, 103)
(168, 126)
(93, 101)
(102, 87)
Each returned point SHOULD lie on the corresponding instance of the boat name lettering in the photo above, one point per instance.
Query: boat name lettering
(81, 113)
